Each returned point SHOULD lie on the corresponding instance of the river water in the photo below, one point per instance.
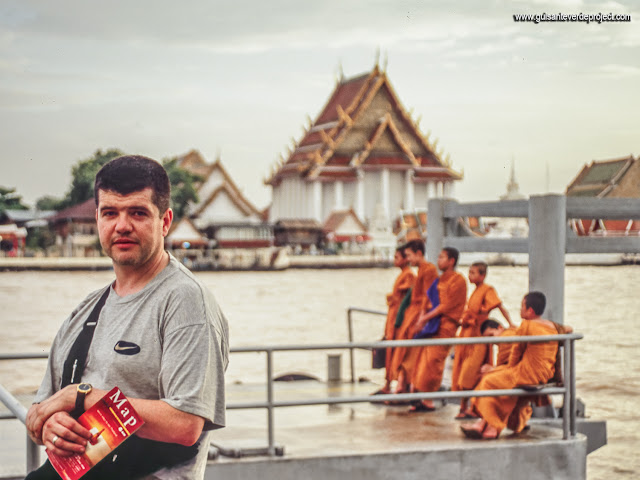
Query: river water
(309, 306)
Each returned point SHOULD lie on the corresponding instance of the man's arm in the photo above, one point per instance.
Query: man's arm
(505, 314)
(162, 422)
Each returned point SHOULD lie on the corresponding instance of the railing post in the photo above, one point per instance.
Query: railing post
(566, 403)
(33, 455)
(547, 246)
(435, 228)
(351, 361)
(572, 385)
(270, 433)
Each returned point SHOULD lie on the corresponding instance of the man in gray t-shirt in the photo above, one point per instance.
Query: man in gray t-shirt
(160, 336)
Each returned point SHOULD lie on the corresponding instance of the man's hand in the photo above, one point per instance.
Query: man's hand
(422, 320)
(63, 435)
(486, 368)
(39, 413)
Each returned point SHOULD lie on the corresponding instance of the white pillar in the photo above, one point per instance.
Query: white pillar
(409, 196)
(385, 192)
(360, 196)
(338, 202)
(317, 200)
(452, 189)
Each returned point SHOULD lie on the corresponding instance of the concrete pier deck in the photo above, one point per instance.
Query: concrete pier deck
(360, 441)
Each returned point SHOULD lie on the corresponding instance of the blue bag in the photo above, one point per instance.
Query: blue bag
(432, 326)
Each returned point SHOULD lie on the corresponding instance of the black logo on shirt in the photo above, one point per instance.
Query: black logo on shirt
(126, 348)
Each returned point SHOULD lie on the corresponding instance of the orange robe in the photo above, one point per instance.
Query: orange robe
(429, 368)
(403, 283)
(529, 364)
(469, 358)
(402, 356)
(504, 349)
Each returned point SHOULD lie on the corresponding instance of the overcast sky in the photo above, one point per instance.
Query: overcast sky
(239, 78)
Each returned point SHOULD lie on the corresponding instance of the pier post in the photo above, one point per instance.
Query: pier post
(435, 228)
(547, 246)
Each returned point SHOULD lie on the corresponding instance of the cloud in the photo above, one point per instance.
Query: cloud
(618, 71)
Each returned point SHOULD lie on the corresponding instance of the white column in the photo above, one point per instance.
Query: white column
(360, 196)
(338, 202)
(451, 191)
(409, 197)
(385, 192)
(317, 200)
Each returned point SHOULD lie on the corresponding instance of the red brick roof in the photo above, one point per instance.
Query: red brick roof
(85, 211)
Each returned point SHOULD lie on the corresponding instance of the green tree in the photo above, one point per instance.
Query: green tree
(183, 188)
(48, 202)
(83, 176)
(10, 200)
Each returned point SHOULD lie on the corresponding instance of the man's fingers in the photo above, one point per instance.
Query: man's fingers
(75, 429)
(62, 447)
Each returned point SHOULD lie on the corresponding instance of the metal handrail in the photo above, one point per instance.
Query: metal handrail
(350, 329)
(568, 389)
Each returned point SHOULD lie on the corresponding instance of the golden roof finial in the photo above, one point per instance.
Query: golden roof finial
(377, 57)
(385, 62)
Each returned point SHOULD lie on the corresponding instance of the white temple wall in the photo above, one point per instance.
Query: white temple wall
(396, 193)
(328, 199)
(420, 196)
(223, 210)
(349, 194)
(372, 193)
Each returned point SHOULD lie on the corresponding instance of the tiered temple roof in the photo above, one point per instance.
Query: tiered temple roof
(363, 125)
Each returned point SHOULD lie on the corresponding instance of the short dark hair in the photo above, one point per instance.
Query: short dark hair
(535, 300)
(415, 245)
(133, 173)
(489, 323)
(400, 250)
(481, 266)
(452, 253)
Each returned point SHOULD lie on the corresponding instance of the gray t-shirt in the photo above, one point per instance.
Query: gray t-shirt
(167, 342)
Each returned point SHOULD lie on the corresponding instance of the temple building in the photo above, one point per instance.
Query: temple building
(616, 178)
(363, 153)
(222, 214)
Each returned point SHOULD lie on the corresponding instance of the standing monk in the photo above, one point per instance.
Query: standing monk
(401, 286)
(468, 359)
(403, 357)
(529, 363)
(452, 290)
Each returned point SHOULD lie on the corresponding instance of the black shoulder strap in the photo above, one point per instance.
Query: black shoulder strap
(77, 358)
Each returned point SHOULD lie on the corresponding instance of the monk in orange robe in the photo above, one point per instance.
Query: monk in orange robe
(468, 359)
(491, 328)
(401, 286)
(452, 290)
(529, 363)
(402, 363)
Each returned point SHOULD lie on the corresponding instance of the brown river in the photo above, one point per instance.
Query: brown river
(309, 306)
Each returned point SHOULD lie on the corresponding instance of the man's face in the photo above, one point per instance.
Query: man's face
(444, 262)
(492, 332)
(412, 257)
(399, 261)
(526, 313)
(474, 275)
(130, 227)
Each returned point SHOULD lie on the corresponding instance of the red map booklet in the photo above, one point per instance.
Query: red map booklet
(111, 421)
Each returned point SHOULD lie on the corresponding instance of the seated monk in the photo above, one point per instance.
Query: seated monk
(401, 286)
(529, 364)
(492, 328)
